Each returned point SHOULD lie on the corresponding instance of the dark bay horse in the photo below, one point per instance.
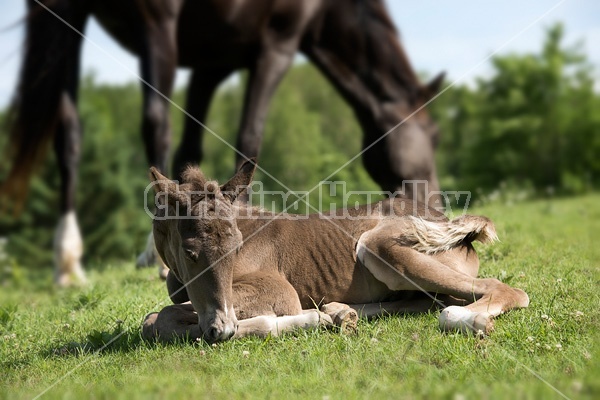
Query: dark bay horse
(353, 42)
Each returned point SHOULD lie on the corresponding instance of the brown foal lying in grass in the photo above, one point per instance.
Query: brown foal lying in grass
(247, 271)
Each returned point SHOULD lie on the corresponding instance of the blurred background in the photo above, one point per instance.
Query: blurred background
(523, 124)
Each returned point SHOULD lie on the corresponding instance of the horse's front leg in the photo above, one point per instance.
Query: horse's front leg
(199, 95)
(265, 75)
(158, 61)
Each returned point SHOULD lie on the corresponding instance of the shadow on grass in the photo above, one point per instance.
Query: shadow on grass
(118, 341)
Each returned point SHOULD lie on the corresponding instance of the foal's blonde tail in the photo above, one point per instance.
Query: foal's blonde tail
(433, 237)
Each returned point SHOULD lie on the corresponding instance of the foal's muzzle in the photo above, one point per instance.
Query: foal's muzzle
(215, 334)
(220, 329)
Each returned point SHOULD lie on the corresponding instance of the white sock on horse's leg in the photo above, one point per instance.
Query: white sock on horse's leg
(68, 249)
(163, 270)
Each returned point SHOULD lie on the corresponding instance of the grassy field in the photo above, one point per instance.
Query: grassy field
(52, 341)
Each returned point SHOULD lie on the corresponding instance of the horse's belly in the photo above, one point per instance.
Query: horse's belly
(206, 28)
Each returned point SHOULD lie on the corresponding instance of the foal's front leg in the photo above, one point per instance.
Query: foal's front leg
(178, 321)
(265, 325)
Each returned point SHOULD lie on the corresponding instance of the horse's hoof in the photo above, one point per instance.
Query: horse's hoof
(148, 327)
(163, 271)
(75, 279)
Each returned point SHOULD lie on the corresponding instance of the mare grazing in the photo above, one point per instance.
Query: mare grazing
(247, 271)
(353, 42)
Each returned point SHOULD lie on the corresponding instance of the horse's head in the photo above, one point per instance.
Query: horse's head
(356, 45)
(403, 137)
(197, 236)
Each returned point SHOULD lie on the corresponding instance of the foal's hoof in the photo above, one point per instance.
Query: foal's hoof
(148, 327)
(342, 316)
(346, 320)
(455, 318)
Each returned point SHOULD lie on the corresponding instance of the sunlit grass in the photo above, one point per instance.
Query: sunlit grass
(547, 248)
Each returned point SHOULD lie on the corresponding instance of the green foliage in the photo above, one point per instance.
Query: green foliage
(88, 343)
(533, 123)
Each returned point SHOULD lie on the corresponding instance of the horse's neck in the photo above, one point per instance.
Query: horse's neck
(373, 71)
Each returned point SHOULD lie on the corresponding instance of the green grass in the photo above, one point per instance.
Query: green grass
(56, 337)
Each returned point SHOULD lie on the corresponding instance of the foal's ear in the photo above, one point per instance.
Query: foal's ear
(240, 181)
(163, 185)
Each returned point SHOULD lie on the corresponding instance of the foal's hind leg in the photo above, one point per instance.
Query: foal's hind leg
(402, 268)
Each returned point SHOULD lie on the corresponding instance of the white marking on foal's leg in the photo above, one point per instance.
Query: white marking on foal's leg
(150, 257)
(68, 249)
(265, 325)
(456, 318)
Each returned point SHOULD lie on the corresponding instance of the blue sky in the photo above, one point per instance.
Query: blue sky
(453, 36)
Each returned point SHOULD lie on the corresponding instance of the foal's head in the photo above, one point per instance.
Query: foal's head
(196, 235)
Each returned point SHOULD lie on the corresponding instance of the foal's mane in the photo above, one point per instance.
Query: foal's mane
(193, 178)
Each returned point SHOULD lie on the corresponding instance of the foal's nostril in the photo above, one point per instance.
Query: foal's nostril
(230, 334)
(213, 334)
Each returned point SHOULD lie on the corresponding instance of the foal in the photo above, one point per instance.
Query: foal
(235, 261)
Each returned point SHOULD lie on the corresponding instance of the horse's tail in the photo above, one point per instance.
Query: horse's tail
(34, 110)
(433, 237)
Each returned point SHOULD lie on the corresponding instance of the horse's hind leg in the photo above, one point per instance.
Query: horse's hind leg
(68, 245)
(265, 74)
(402, 268)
